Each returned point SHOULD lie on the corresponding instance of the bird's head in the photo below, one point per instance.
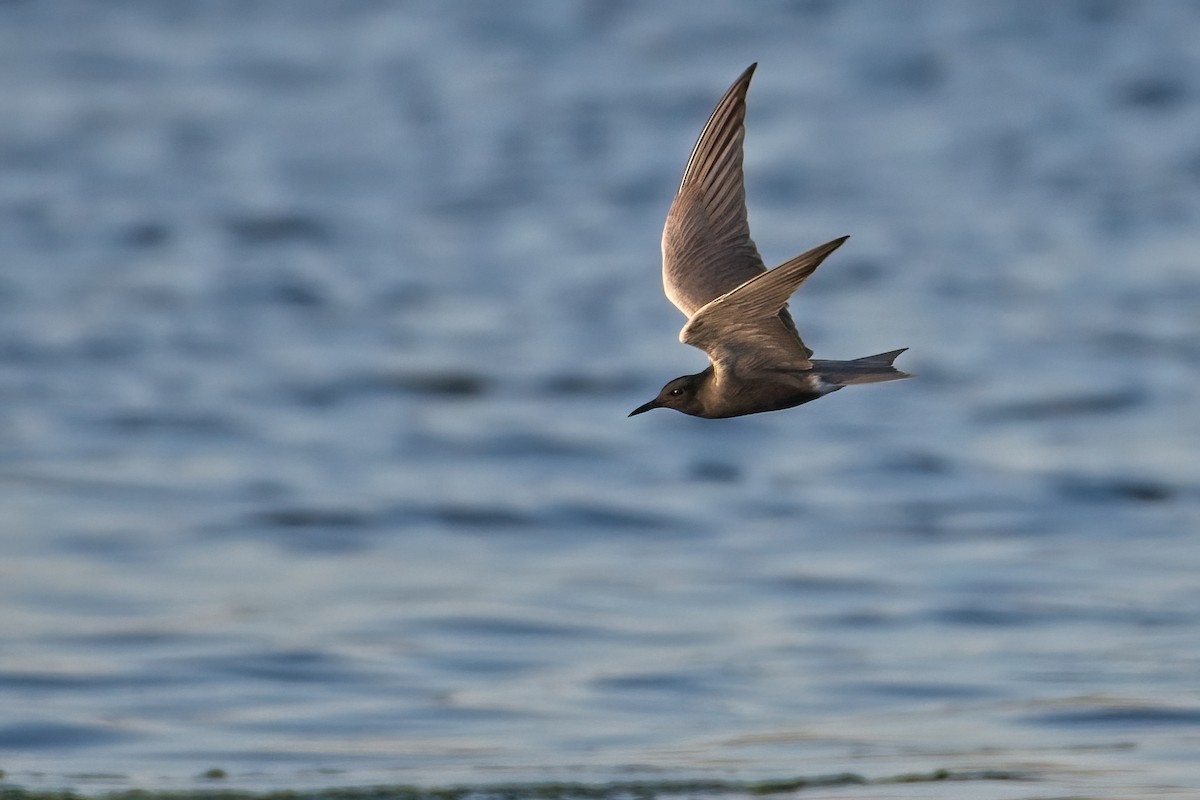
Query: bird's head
(681, 394)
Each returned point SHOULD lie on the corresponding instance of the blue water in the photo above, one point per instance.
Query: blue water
(318, 328)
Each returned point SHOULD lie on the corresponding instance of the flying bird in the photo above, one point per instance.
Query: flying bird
(736, 308)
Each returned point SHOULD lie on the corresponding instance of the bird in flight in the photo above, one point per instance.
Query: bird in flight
(736, 308)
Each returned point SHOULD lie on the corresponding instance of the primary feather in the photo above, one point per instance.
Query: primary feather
(706, 245)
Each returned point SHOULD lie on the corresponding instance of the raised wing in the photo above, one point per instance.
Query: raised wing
(706, 244)
(741, 330)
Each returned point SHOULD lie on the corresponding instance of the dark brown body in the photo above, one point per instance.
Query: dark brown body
(769, 389)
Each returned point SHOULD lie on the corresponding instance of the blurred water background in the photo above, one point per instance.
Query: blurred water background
(319, 323)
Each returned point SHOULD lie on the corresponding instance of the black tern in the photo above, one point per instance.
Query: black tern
(736, 308)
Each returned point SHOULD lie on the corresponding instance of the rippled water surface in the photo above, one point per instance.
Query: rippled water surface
(318, 328)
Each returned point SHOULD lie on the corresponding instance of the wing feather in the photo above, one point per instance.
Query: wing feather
(707, 249)
(742, 329)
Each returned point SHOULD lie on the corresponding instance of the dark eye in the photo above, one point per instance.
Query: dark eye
(676, 392)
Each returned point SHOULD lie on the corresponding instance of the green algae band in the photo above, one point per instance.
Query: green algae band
(622, 790)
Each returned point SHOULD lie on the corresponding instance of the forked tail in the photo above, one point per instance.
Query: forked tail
(868, 369)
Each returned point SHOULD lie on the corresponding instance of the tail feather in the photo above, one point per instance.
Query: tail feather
(868, 369)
